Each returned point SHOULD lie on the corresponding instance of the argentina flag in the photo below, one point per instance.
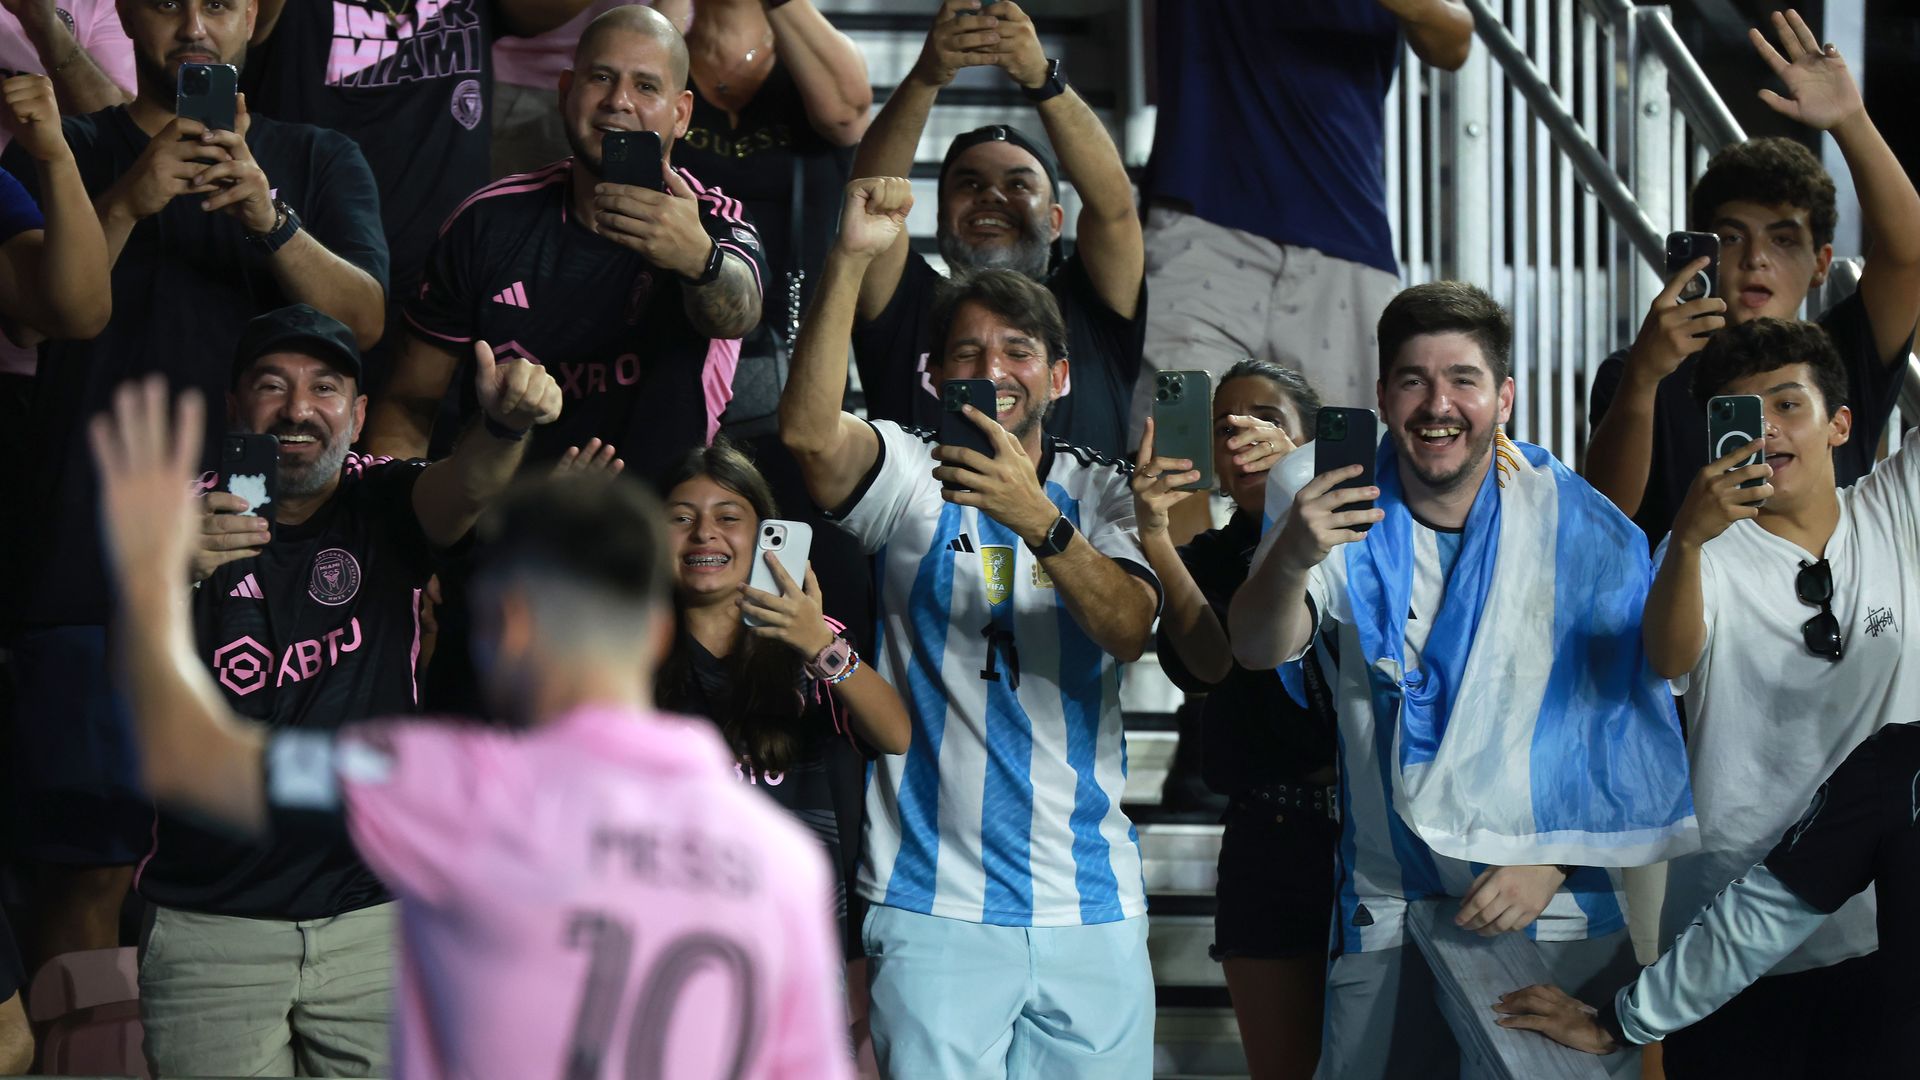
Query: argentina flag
(1533, 729)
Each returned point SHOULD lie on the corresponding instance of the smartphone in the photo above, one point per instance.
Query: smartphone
(790, 542)
(955, 428)
(632, 158)
(1685, 247)
(1183, 421)
(1733, 421)
(1343, 437)
(250, 468)
(206, 93)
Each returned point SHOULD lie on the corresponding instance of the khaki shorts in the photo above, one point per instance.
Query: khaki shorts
(225, 996)
(1216, 296)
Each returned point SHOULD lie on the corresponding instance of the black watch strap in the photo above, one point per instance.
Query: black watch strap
(285, 224)
(711, 274)
(1055, 85)
(1059, 535)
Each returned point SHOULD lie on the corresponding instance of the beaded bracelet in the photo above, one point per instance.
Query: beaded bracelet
(853, 665)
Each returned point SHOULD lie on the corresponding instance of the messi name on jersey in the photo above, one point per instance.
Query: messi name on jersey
(437, 39)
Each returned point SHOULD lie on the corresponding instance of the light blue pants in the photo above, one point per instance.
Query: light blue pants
(956, 1000)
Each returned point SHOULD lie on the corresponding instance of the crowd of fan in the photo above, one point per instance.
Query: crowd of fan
(534, 426)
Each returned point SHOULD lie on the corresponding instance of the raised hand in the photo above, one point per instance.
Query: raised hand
(793, 618)
(148, 462)
(227, 533)
(33, 115)
(244, 190)
(1004, 487)
(517, 394)
(873, 215)
(1258, 445)
(1673, 331)
(663, 226)
(594, 459)
(166, 169)
(1156, 485)
(1316, 525)
(1821, 92)
(1018, 53)
(961, 37)
(1716, 500)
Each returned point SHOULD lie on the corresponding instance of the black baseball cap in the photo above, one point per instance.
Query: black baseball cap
(1008, 134)
(297, 328)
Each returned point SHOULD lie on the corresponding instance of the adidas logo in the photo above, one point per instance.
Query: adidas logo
(962, 543)
(247, 589)
(514, 295)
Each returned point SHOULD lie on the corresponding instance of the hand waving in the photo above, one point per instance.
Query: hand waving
(147, 465)
(594, 459)
(874, 214)
(1821, 92)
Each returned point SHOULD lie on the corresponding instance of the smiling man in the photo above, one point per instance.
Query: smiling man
(1000, 208)
(1772, 206)
(1781, 613)
(263, 957)
(1008, 933)
(634, 297)
(1483, 641)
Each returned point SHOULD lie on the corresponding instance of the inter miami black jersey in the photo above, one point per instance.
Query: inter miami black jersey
(1862, 831)
(319, 630)
(512, 270)
(413, 90)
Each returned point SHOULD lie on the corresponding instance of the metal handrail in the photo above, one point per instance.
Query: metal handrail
(1705, 110)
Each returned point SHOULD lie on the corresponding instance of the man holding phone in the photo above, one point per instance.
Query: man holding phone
(633, 294)
(1000, 207)
(1772, 206)
(1452, 714)
(285, 213)
(1781, 613)
(1013, 586)
(261, 957)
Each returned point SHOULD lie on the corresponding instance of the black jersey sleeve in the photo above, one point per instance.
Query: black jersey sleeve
(343, 205)
(727, 221)
(443, 311)
(1873, 384)
(889, 350)
(1119, 341)
(1829, 855)
(389, 496)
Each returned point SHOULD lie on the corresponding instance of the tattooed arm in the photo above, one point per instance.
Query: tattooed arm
(728, 308)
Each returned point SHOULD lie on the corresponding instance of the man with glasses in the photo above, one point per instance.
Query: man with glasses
(1780, 612)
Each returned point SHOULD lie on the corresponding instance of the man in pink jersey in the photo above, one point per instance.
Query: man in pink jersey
(587, 894)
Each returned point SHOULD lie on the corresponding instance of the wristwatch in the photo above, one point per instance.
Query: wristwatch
(285, 223)
(831, 660)
(712, 272)
(1059, 535)
(1055, 85)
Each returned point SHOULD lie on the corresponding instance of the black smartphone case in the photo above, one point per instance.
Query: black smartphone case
(1683, 248)
(212, 102)
(632, 158)
(1734, 420)
(1183, 421)
(955, 427)
(1343, 437)
(252, 456)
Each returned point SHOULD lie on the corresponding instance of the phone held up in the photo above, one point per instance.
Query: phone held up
(207, 93)
(1183, 421)
(1685, 247)
(1733, 421)
(791, 542)
(632, 159)
(1343, 437)
(250, 468)
(956, 429)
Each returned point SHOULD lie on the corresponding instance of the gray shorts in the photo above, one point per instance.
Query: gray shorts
(1216, 296)
(1385, 1021)
(225, 996)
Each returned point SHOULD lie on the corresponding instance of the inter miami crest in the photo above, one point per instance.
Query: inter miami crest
(335, 578)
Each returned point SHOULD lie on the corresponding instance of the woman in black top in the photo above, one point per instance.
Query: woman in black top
(793, 698)
(1273, 758)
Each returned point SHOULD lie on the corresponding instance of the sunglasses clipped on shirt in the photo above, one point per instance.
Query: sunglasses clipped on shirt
(1814, 585)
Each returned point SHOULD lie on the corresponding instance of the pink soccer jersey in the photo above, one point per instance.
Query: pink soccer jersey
(597, 897)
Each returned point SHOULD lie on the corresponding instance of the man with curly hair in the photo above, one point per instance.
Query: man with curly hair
(1772, 206)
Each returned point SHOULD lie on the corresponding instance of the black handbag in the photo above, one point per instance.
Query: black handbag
(766, 351)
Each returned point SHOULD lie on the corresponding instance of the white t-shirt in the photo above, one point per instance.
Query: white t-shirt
(1382, 862)
(1006, 808)
(1768, 720)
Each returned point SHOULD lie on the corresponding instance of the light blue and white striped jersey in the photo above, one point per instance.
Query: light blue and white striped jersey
(1382, 863)
(1006, 808)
